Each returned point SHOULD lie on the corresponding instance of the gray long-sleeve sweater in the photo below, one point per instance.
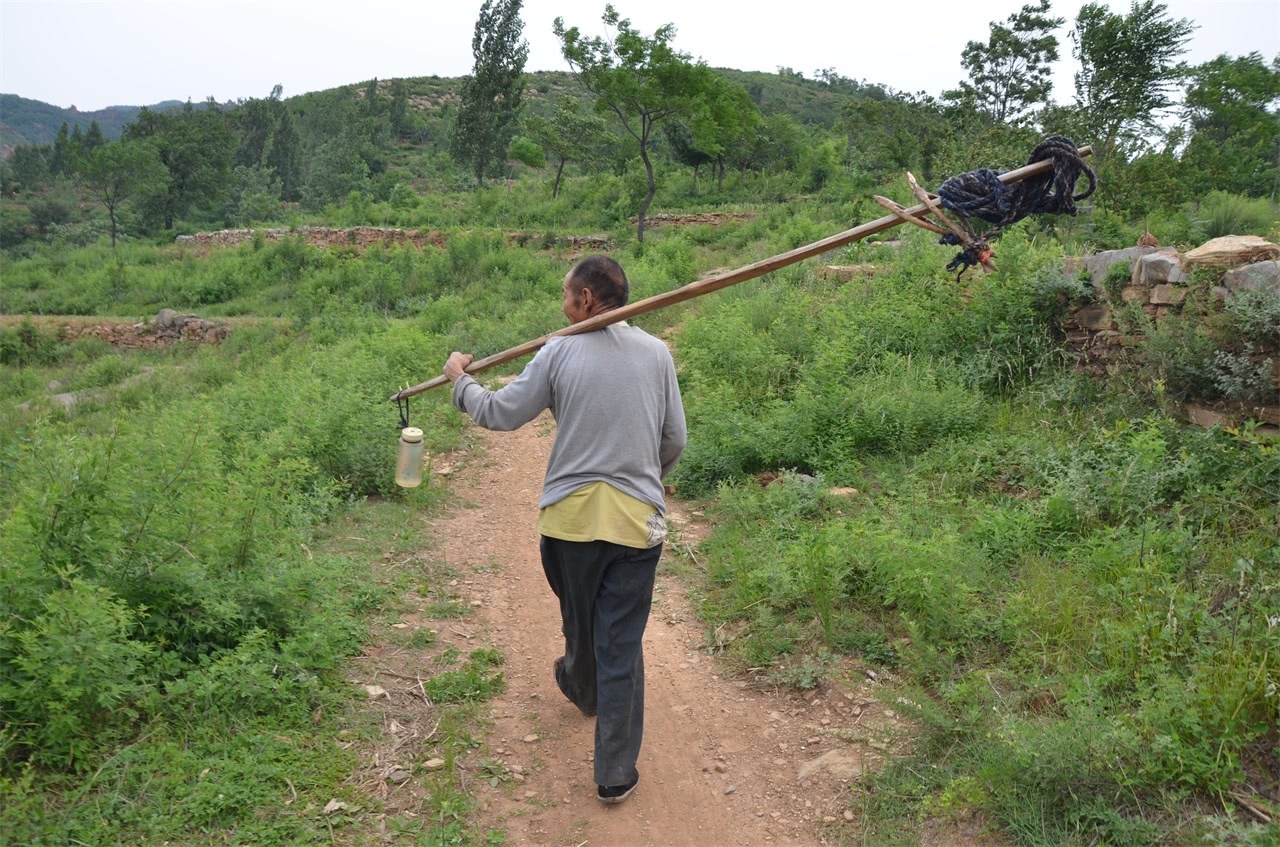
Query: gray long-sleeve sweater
(617, 406)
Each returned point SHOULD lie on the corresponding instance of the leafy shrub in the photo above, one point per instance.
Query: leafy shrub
(1240, 377)
(1223, 213)
(1117, 277)
(29, 344)
(1253, 317)
(72, 676)
(900, 406)
(104, 371)
(1179, 352)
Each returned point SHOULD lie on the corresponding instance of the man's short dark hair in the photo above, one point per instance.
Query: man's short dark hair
(604, 277)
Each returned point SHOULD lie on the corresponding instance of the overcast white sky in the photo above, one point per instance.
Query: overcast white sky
(96, 53)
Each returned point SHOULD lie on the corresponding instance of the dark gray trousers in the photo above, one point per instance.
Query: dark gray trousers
(605, 592)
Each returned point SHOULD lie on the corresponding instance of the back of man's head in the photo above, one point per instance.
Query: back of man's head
(604, 277)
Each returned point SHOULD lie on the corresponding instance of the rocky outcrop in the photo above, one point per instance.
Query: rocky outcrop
(1230, 251)
(1099, 265)
(1265, 274)
(1158, 268)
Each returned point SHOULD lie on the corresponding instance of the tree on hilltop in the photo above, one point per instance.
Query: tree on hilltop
(94, 138)
(398, 113)
(1129, 71)
(643, 81)
(1009, 75)
(269, 139)
(62, 162)
(491, 96)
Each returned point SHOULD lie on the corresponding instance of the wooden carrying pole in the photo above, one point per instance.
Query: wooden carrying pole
(714, 283)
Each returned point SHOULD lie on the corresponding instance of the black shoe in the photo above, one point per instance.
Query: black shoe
(616, 793)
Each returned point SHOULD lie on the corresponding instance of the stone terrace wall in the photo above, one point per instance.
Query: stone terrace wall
(167, 328)
(1158, 283)
(320, 236)
(362, 237)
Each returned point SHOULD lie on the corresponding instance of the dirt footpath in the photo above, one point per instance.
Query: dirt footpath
(723, 762)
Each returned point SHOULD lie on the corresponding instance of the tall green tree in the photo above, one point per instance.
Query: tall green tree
(726, 120)
(114, 173)
(31, 166)
(1129, 72)
(335, 170)
(62, 162)
(1231, 107)
(888, 136)
(569, 135)
(398, 114)
(77, 145)
(94, 137)
(1009, 74)
(642, 81)
(775, 142)
(196, 148)
(685, 150)
(490, 108)
(268, 138)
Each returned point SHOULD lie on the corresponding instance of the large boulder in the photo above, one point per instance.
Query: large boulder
(1231, 250)
(168, 319)
(1158, 268)
(1264, 274)
(1097, 265)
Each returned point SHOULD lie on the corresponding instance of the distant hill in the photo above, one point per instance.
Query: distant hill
(24, 121)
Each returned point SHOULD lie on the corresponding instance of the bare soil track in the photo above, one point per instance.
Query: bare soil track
(725, 761)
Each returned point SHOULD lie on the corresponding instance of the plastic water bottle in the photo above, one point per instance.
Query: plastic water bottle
(409, 461)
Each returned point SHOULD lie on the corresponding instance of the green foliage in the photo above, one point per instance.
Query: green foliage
(72, 675)
(527, 152)
(195, 147)
(1253, 317)
(269, 142)
(1231, 214)
(474, 682)
(489, 112)
(569, 135)
(643, 81)
(1116, 280)
(337, 169)
(888, 135)
(1231, 106)
(29, 344)
(1129, 71)
(1009, 75)
(115, 173)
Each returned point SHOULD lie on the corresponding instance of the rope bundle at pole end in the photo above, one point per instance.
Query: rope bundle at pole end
(980, 194)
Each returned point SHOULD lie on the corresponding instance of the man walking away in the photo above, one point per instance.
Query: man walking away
(620, 429)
